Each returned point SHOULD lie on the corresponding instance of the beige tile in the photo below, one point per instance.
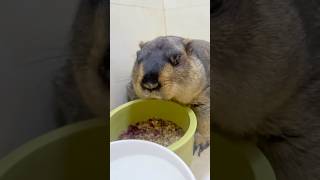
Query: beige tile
(141, 3)
(173, 4)
(189, 22)
(201, 165)
(129, 25)
(116, 95)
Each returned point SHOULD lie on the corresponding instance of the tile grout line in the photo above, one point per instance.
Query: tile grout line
(131, 5)
(188, 7)
(164, 18)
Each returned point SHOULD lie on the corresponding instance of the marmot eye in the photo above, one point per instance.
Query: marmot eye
(215, 6)
(175, 59)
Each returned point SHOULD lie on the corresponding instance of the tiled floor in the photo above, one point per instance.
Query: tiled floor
(201, 165)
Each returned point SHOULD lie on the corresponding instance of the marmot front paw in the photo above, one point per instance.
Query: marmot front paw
(200, 143)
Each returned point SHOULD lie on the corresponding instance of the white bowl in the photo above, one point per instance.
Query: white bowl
(144, 160)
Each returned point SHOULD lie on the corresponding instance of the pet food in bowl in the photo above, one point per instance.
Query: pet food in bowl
(157, 130)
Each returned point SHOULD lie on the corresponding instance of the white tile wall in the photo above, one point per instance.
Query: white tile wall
(129, 26)
(158, 4)
(190, 22)
(173, 4)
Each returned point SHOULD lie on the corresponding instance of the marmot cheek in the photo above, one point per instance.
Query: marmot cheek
(169, 92)
(137, 88)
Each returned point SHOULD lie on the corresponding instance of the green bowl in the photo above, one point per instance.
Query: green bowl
(76, 151)
(141, 110)
(239, 160)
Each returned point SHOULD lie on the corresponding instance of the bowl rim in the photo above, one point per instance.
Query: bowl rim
(187, 135)
(31, 146)
(161, 148)
(260, 165)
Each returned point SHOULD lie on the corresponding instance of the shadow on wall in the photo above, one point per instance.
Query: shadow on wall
(33, 37)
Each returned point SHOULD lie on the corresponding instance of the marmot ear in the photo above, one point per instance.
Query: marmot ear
(188, 46)
(141, 44)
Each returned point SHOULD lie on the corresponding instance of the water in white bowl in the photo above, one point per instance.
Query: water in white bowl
(144, 167)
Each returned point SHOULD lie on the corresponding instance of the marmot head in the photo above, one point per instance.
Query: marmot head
(165, 68)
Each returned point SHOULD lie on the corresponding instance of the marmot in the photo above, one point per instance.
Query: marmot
(82, 85)
(177, 69)
(266, 80)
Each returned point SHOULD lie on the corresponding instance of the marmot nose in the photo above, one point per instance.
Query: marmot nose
(150, 82)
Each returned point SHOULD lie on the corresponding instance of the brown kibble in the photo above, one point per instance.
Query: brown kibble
(156, 130)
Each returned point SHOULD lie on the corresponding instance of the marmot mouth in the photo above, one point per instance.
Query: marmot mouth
(155, 94)
(151, 86)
